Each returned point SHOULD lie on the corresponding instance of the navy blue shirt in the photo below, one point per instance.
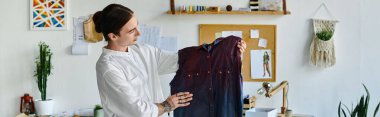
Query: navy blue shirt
(212, 72)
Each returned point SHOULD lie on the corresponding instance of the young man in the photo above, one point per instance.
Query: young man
(128, 72)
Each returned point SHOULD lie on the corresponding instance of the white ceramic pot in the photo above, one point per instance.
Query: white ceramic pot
(288, 113)
(99, 113)
(44, 107)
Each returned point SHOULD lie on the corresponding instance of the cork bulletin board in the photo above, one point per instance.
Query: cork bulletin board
(254, 66)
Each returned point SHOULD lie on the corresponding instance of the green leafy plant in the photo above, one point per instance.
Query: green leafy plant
(97, 107)
(98, 112)
(43, 68)
(360, 109)
(325, 35)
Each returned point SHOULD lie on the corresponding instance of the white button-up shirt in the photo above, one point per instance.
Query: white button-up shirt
(129, 83)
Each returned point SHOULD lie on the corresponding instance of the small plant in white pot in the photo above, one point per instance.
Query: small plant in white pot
(43, 69)
(98, 111)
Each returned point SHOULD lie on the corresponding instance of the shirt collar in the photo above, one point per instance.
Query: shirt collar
(210, 46)
(118, 53)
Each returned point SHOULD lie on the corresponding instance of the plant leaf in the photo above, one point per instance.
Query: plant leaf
(360, 107)
(366, 101)
(325, 35)
(340, 103)
(365, 106)
(377, 109)
(344, 113)
(355, 111)
(352, 106)
(366, 90)
(348, 110)
(43, 68)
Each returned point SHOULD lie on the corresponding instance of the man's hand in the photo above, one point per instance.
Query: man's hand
(242, 45)
(180, 99)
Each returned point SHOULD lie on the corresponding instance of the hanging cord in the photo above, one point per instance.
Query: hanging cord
(327, 9)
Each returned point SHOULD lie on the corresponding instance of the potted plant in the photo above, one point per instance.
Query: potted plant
(360, 109)
(98, 111)
(43, 70)
(325, 35)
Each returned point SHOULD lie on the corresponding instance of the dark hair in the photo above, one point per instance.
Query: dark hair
(111, 19)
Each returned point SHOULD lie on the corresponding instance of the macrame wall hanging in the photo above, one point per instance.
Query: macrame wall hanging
(322, 48)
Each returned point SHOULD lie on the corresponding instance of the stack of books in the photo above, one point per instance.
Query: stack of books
(254, 5)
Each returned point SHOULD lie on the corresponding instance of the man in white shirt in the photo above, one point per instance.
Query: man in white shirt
(128, 73)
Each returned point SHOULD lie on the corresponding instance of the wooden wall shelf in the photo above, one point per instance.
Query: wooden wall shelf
(232, 12)
(284, 11)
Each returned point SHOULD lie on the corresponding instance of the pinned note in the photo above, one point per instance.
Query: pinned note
(79, 46)
(261, 64)
(217, 35)
(168, 44)
(255, 33)
(149, 34)
(234, 33)
(263, 43)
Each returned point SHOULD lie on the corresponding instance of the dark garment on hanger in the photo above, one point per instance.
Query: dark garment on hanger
(212, 72)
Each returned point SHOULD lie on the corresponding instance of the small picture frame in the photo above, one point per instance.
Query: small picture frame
(48, 15)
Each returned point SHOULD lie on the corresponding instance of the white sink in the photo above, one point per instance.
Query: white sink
(261, 112)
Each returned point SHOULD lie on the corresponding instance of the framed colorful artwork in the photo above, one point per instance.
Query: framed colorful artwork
(48, 14)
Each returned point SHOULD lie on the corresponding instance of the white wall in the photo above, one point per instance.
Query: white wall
(369, 55)
(312, 91)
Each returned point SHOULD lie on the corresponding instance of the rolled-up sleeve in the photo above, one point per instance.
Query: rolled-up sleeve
(121, 100)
